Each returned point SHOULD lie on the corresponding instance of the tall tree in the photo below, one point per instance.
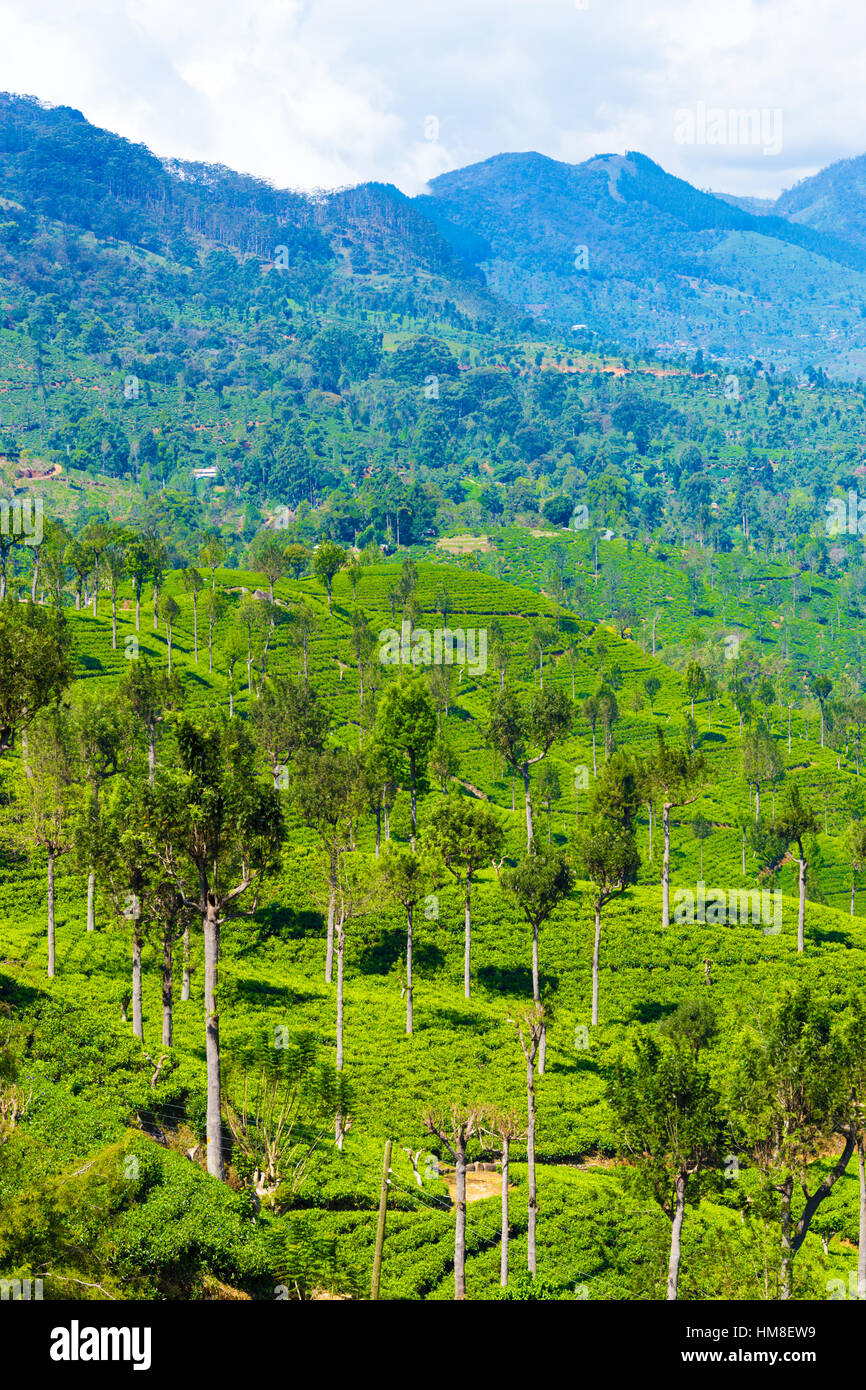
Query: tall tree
(151, 696)
(855, 845)
(253, 618)
(193, 585)
(169, 610)
(363, 644)
(211, 555)
(97, 536)
(538, 883)
(762, 761)
(531, 1033)
(673, 1131)
(289, 717)
(328, 560)
(507, 1126)
(822, 688)
(219, 831)
(103, 733)
(467, 835)
(35, 665)
(523, 732)
(214, 605)
(270, 557)
(790, 1096)
(327, 788)
(408, 877)
(406, 723)
(679, 776)
(49, 793)
(356, 891)
(454, 1128)
(853, 1041)
(138, 563)
(114, 569)
(610, 860)
(792, 824)
(694, 683)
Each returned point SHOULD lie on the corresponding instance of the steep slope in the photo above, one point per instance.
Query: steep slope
(832, 201)
(663, 264)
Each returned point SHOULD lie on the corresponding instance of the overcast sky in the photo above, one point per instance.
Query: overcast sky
(319, 93)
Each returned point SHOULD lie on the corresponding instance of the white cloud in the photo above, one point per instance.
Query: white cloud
(326, 92)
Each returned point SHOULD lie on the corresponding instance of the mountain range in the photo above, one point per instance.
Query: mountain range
(611, 251)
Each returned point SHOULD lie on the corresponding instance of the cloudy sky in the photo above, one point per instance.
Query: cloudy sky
(319, 93)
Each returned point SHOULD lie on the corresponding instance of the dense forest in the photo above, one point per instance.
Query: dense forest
(428, 735)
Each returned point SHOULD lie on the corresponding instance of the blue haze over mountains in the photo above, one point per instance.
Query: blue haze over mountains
(669, 268)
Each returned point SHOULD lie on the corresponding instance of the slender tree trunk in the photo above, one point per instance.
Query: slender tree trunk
(595, 953)
(467, 935)
(743, 850)
(114, 622)
(409, 1018)
(137, 1014)
(91, 900)
(185, 986)
(676, 1237)
(138, 609)
(341, 944)
(51, 943)
(332, 908)
(530, 1162)
(166, 990)
(852, 895)
(801, 915)
(460, 1227)
(151, 752)
(861, 1239)
(666, 865)
(536, 989)
(195, 628)
(413, 794)
(528, 798)
(594, 760)
(503, 1257)
(212, 1039)
(787, 1266)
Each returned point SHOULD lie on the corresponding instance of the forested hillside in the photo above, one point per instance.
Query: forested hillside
(419, 726)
